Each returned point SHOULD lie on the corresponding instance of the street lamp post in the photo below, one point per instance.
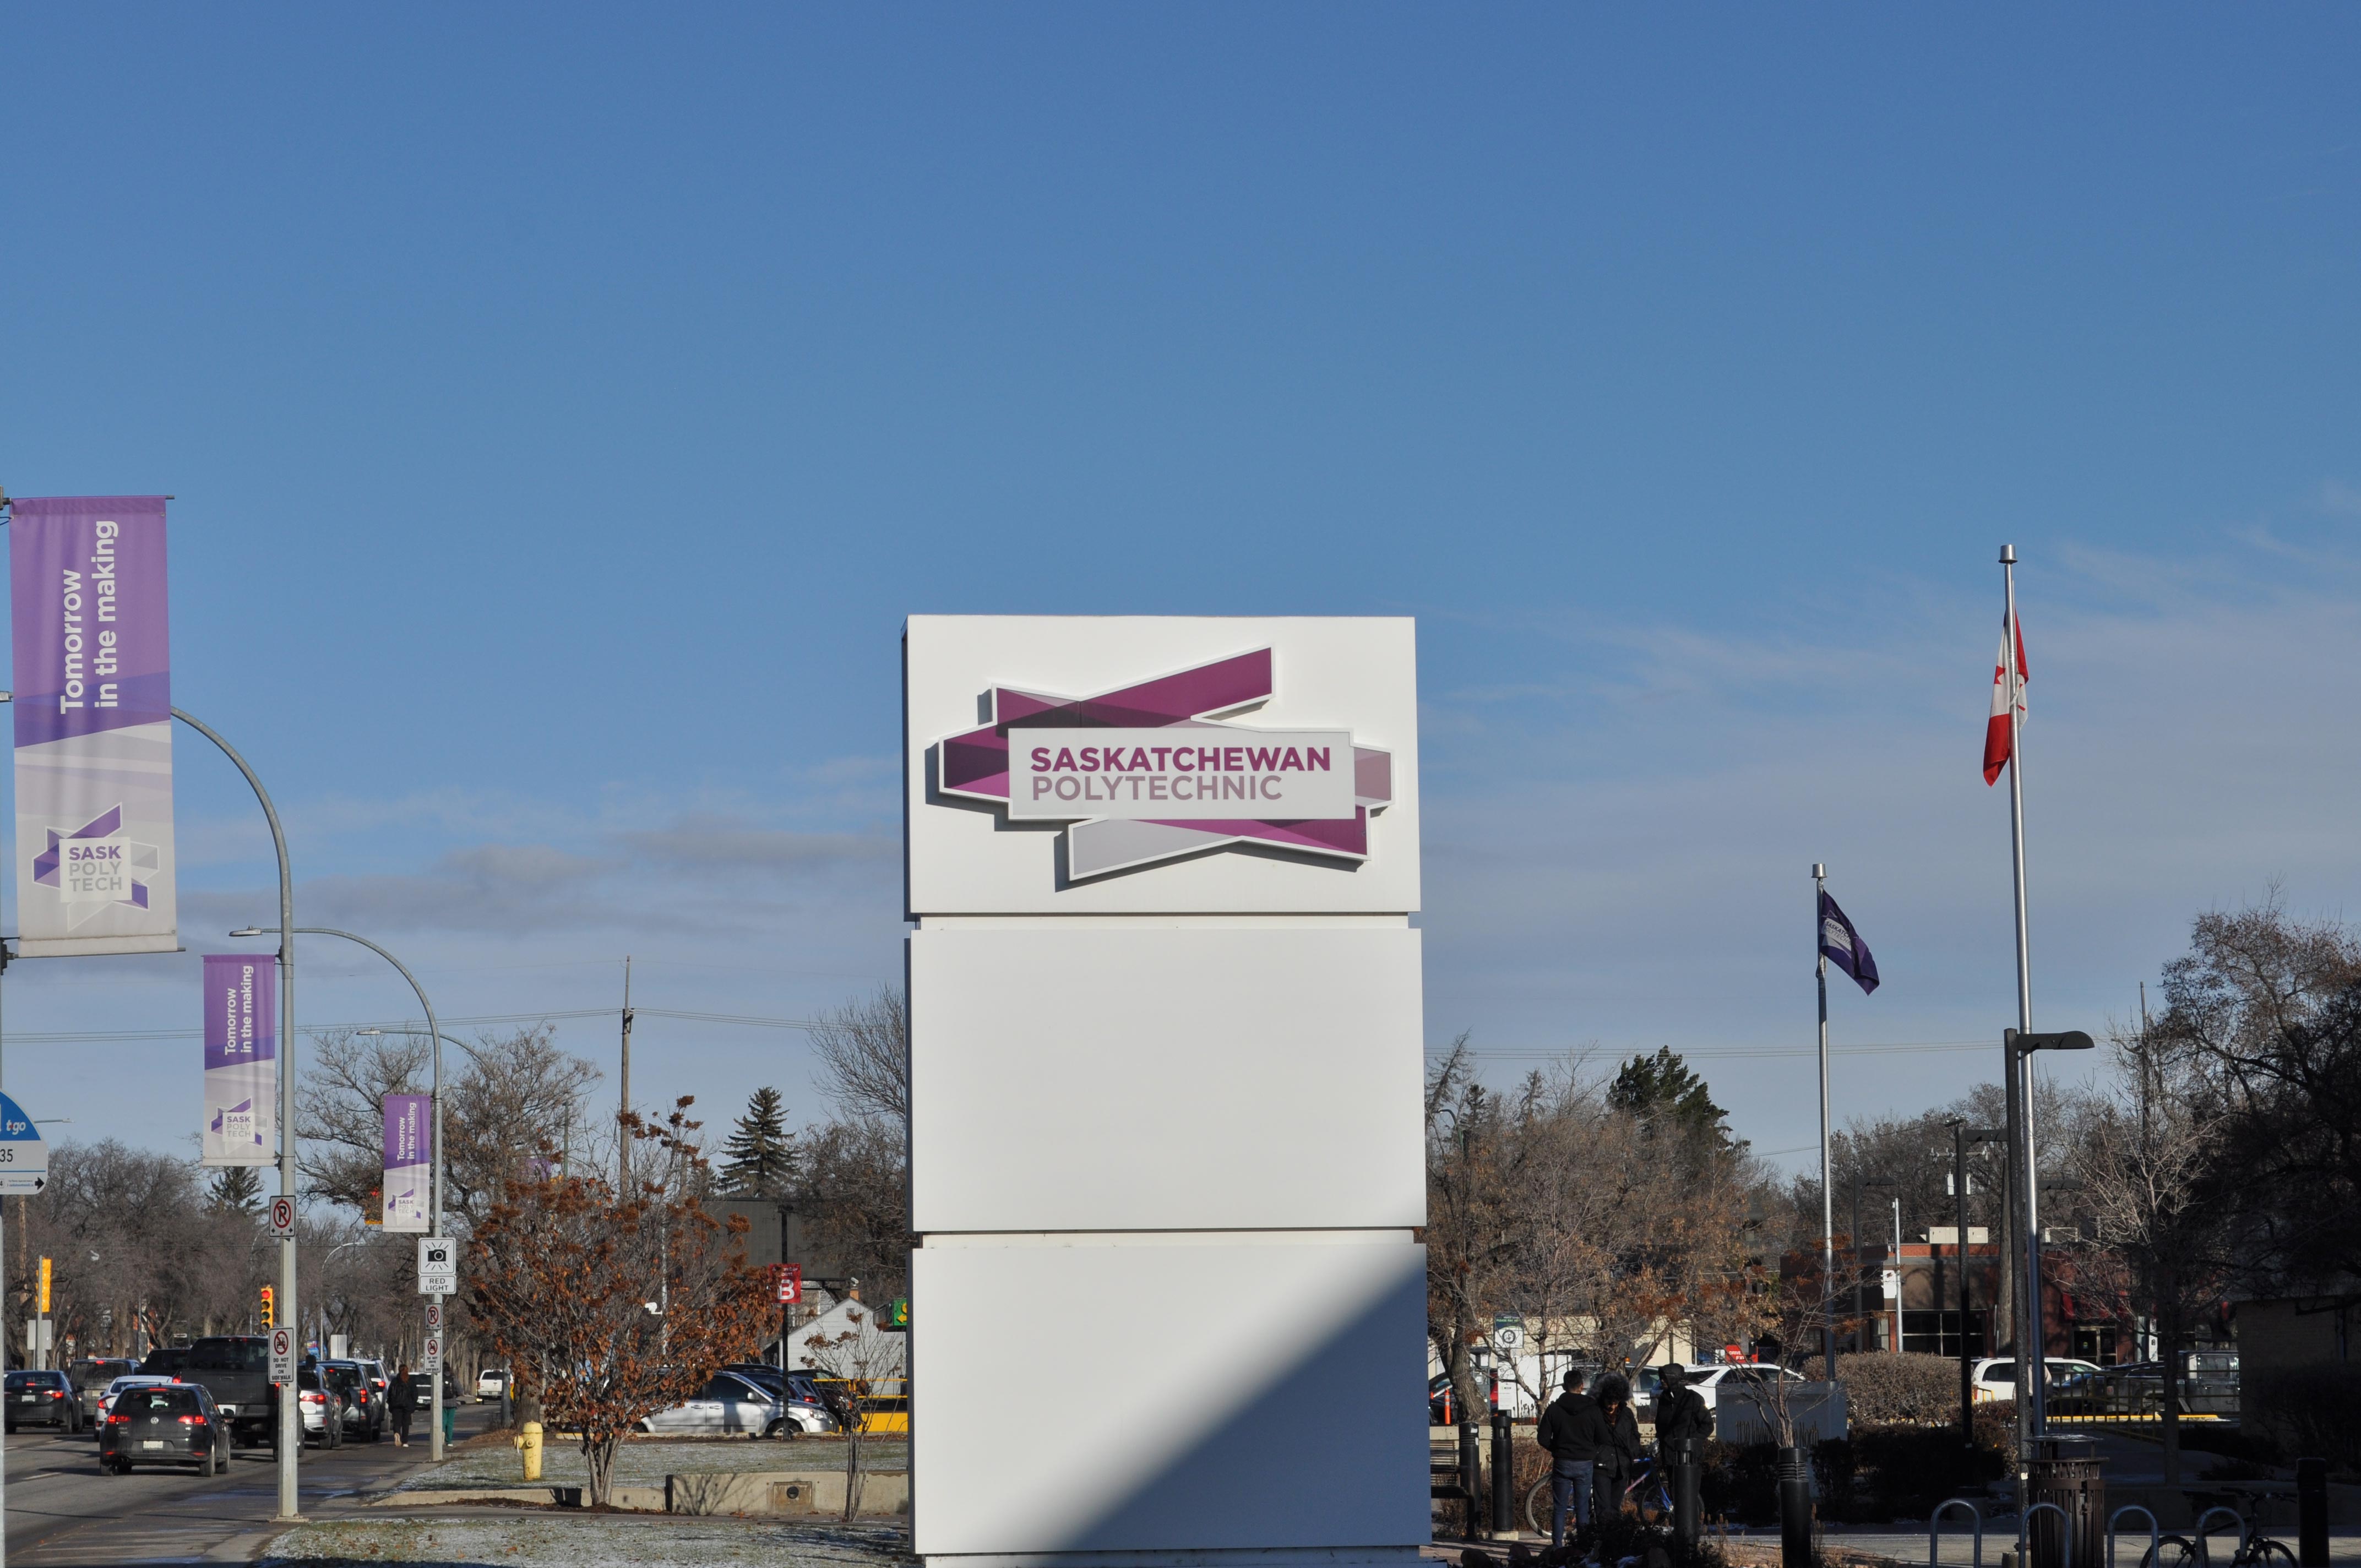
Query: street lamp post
(291, 1422)
(1962, 1136)
(2032, 1342)
(1859, 1181)
(434, 1431)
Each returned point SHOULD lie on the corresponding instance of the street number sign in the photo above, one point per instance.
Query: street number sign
(282, 1219)
(24, 1158)
(282, 1356)
(438, 1267)
(435, 1316)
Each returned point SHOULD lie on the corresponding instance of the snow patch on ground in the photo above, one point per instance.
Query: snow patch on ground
(646, 1462)
(579, 1540)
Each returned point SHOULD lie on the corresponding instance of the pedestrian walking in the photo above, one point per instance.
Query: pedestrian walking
(1573, 1431)
(404, 1398)
(1681, 1415)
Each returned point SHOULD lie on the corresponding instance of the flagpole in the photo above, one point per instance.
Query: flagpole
(2031, 1341)
(1827, 1184)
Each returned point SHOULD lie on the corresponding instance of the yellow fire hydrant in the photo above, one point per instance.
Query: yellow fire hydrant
(528, 1443)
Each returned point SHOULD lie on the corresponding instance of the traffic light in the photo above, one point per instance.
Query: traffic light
(269, 1299)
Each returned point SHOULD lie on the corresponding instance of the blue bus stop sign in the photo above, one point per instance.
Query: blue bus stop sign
(24, 1158)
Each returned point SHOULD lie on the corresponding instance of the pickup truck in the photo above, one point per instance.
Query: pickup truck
(236, 1370)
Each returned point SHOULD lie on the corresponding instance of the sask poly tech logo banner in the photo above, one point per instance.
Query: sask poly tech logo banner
(1151, 772)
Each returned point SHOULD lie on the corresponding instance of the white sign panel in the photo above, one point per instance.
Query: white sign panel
(432, 1360)
(1183, 772)
(24, 1158)
(282, 1219)
(282, 1356)
(438, 1267)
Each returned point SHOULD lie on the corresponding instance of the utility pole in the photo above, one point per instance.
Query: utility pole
(623, 1149)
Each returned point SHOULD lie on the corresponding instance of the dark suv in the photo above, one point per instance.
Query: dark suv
(42, 1399)
(163, 1423)
(235, 1369)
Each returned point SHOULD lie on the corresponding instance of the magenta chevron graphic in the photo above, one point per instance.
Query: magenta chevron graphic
(1152, 771)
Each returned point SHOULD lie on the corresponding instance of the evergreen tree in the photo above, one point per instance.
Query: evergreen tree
(237, 1187)
(1662, 1087)
(756, 1159)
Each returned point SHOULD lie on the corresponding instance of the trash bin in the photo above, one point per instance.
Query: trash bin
(2065, 1470)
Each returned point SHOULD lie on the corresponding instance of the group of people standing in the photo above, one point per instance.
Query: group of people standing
(1593, 1441)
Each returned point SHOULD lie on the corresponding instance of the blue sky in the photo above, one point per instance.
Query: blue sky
(565, 407)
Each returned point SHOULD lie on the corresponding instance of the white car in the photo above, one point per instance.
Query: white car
(132, 1380)
(490, 1384)
(1709, 1378)
(1995, 1377)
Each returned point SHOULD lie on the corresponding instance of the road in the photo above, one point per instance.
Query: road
(62, 1511)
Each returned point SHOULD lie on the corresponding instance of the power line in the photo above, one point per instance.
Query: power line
(132, 1036)
(1889, 1047)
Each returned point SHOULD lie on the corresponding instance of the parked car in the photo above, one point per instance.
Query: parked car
(163, 1423)
(42, 1399)
(1709, 1378)
(90, 1377)
(374, 1372)
(362, 1406)
(1995, 1377)
(728, 1403)
(811, 1406)
(490, 1384)
(2209, 1387)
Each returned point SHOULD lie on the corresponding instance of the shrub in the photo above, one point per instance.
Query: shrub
(1903, 1472)
(1883, 1388)
(2308, 1412)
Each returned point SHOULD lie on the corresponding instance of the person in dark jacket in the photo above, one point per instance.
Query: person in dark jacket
(1573, 1433)
(1618, 1456)
(404, 1398)
(1681, 1415)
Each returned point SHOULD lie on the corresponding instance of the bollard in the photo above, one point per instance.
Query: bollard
(1504, 1478)
(1687, 1468)
(1794, 1509)
(1471, 1477)
(528, 1443)
(2312, 1513)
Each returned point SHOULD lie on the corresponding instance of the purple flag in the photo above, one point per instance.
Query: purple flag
(241, 1059)
(409, 1140)
(1843, 947)
(93, 716)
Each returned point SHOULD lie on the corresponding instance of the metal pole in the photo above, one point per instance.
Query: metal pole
(1828, 1194)
(1960, 1201)
(2033, 1350)
(434, 1431)
(623, 1143)
(291, 1422)
(1897, 1276)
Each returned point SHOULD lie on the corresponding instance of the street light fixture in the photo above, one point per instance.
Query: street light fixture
(434, 1431)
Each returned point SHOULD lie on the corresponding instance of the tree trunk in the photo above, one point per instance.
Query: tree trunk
(601, 1455)
(853, 1461)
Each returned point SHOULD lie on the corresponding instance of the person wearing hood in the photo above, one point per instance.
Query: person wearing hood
(1681, 1415)
(1619, 1458)
(1575, 1434)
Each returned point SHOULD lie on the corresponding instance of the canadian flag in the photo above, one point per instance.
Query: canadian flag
(1996, 737)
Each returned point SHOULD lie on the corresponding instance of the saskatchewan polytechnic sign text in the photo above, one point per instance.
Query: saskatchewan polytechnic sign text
(1180, 773)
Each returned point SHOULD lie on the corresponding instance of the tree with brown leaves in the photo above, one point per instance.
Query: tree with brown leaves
(611, 1306)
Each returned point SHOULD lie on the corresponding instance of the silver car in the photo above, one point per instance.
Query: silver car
(727, 1406)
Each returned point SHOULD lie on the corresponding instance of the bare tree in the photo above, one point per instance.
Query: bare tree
(864, 1054)
(860, 1359)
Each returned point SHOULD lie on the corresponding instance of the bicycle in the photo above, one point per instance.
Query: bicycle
(2256, 1551)
(1646, 1494)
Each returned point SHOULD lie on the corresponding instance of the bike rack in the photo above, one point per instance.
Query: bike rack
(1935, 1523)
(2200, 1531)
(2155, 1535)
(2065, 1523)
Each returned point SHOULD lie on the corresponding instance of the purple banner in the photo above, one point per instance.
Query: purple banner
(409, 1151)
(91, 640)
(241, 1058)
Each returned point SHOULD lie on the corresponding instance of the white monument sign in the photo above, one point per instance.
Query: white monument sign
(1166, 1069)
